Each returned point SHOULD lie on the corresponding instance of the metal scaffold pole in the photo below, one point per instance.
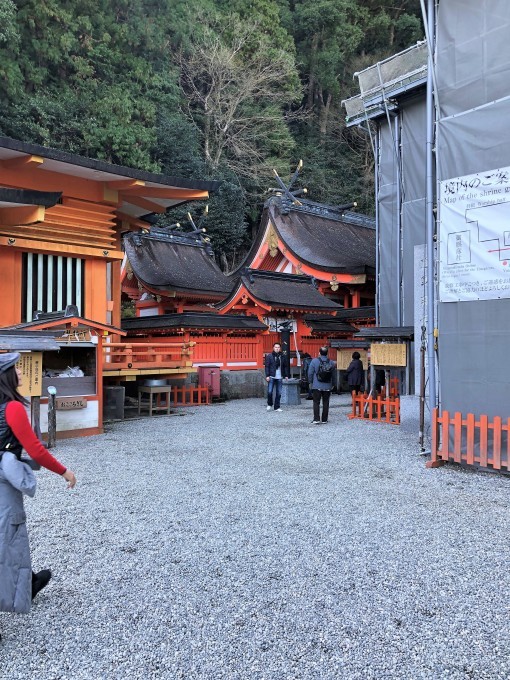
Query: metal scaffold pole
(429, 20)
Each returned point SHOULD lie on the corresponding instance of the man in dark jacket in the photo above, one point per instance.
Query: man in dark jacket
(276, 371)
(321, 388)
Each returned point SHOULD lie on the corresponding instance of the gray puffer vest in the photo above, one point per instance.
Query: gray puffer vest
(16, 479)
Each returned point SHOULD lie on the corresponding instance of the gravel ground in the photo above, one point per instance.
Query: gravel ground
(235, 543)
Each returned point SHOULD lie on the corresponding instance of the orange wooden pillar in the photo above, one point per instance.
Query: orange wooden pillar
(95, 290)
(10, 269)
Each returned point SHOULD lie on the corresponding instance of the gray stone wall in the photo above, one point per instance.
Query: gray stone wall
(242, 384)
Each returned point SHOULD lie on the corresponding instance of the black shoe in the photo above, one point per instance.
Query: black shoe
(40, 581)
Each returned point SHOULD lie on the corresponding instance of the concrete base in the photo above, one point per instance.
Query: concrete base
(242, 384)
(291, 391)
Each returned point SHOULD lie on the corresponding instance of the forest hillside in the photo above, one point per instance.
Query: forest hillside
(220, 89)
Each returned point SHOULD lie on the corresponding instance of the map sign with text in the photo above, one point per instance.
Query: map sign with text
(474, 236)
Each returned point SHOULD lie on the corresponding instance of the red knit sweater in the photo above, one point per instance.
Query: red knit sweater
(17, 419)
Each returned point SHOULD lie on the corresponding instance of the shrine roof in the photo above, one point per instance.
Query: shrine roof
(38, 341)
(386, 332)
(175, 262)
(28, 197)
(55, 320)
(349, 344)
(355, 313)
(202, 320)
(324, 237)
(281, 291)
(328, 323)
(153, 192)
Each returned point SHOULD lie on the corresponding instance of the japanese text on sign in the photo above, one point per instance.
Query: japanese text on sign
(388, 354)
(344, 358)
(30, 365)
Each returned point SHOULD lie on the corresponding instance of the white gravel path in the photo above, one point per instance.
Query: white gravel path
(232, 543)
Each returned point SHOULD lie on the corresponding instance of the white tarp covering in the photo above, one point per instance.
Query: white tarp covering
(474, 231)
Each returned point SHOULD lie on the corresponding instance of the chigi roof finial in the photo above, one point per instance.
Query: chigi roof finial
(289, 198)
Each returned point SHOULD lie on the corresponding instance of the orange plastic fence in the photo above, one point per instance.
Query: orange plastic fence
(377, 409)
(475, 442)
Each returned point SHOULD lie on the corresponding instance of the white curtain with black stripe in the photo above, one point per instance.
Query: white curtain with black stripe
(51, 282)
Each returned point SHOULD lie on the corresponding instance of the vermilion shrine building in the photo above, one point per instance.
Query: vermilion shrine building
(309, 268)
(77, 234)
(61, 219)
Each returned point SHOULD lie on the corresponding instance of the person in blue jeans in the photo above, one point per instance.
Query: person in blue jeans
(276, 371)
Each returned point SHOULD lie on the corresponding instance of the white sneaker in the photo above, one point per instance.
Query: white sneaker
(278, 409)
(316, 422)
(268, 408)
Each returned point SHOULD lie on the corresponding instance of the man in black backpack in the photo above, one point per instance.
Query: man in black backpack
(320, 376)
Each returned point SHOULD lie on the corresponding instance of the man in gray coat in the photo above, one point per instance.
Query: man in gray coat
(320, 376)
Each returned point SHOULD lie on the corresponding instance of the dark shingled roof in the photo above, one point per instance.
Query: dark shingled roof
(202, 320)
(355, 313)
(175, 262)
(282, 291)
(387, 332)
(36, 341)
(329, 243)
(329, 324)
(350, 344)
(325, 237)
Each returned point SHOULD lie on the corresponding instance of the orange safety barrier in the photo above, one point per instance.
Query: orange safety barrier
(475, 442)
(377, 409)
(394, 388)
(188, 395)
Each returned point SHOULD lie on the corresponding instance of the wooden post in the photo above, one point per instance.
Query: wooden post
(52, 417)
(35, 407)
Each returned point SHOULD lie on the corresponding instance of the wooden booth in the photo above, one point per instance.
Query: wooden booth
(75, 371)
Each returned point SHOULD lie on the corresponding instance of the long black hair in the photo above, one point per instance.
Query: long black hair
(9, 387)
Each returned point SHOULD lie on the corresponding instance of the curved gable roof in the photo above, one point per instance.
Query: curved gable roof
(281, 291)
(175, 264)
(326, 242)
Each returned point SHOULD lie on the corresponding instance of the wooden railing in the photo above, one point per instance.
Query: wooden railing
(231, 353)
(188, 395)
(483, 442)
(378, 409)
(124, 355)
(313, 345)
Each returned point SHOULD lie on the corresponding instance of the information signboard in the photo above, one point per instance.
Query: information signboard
(388, 354)
(30, 365)
(344, 358)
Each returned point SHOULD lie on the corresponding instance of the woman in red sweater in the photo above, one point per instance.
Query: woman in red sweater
(18, 584)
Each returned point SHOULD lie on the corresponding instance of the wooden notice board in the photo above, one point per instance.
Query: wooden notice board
(70, 403)
(388, 354)
(344, 358)
(30, 365)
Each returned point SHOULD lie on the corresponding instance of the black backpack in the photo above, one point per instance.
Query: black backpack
(325, 372)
